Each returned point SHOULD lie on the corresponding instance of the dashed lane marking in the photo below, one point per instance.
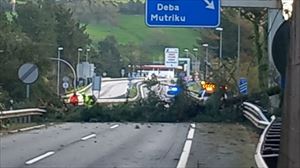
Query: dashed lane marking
(114, 126)
(36, 159)
(88, 137)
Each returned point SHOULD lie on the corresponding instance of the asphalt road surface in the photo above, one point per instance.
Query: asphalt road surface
(221, 145)
(108, 145)
(113, 89)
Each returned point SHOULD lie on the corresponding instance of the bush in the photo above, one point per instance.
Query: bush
(219, 111)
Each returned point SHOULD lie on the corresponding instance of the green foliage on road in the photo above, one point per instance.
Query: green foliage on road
(133, 92)
(152, 109)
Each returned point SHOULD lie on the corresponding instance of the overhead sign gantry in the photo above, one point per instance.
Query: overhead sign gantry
(182, 13)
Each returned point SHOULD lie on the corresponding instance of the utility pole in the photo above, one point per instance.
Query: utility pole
(13, 8)
(290, 131)
(238, 73)
(59, 49)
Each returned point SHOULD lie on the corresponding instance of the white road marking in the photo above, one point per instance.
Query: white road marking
(114, 126)
(88, 137)
(29, 162)
(191, 134)
(193, 125)
(187, 148)
(185, 154)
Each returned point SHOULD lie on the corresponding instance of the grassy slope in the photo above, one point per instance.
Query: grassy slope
(132, 29)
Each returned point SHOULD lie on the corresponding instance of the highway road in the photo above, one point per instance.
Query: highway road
(95, 145)
(115, 88)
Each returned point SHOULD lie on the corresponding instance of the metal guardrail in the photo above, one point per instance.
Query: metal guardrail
(120, 79)
(21, 113)
(139, 86)
(89, 86)
(141, 91)
(79, 91)
(267, 151)
(255, 115)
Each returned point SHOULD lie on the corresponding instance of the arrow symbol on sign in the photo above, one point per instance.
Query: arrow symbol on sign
(210, 5)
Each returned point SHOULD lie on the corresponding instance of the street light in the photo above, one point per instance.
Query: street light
(197, 65)
(70, 66)
(196, 53)
(87, 54)
(221, 36)
(129, 70)
(186, 51)
(206, 59)
(59, 49)
(78, 57)
(238, 48)
(193, 58)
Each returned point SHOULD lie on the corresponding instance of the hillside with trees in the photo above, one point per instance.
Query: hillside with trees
(116, 33)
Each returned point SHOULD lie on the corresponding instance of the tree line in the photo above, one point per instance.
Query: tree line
(33, 35)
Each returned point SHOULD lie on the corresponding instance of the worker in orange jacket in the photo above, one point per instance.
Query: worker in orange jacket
(74, 99)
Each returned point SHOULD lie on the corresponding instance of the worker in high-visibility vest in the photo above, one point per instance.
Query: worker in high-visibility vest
(89, 100)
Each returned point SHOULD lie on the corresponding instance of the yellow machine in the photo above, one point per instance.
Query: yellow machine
(209, 86)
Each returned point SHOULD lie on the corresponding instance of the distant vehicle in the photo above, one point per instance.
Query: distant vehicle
(151, 77)
(169, 93)
(204, 95)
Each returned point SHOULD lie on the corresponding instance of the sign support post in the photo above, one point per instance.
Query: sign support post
(27, 91)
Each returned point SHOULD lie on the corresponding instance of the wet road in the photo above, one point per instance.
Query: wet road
(95, 145)
(220, 145)
(112, 145)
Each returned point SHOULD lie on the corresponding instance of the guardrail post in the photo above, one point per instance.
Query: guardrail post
(25, 119)
(29, 119)
(19, 120)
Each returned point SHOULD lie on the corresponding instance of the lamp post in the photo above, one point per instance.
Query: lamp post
(192, 60)
(186, 52)
(87, 54)
(196, 51)
(129, 70)
(13, 8)
(238, 48)
(206, 59)
(197, 64)
(70, 66)
(220, 29)
(59, 49)
(79, 50)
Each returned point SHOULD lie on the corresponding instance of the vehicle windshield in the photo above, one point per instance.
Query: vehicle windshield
(207, 94)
